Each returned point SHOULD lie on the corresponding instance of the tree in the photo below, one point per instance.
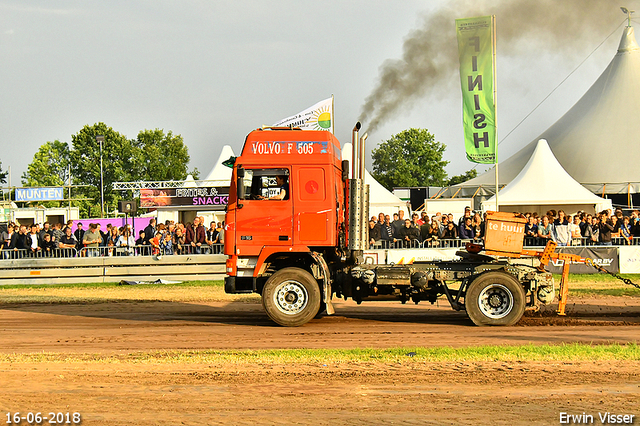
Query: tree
(118, 158)
(3, 175)
(410, 158)
(153, 156)
(469, 174)
(159, 156)
(49, 167)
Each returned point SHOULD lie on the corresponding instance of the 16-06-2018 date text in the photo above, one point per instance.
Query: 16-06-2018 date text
(51, 418)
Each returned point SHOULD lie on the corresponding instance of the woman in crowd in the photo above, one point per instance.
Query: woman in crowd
(434, 234)
(466, 229)
(574, 228)
(166, 244)
(178, 240)
(478, 228)
(125, 243)
(625, 231)
(112, 239)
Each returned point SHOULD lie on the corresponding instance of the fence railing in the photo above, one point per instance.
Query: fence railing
(139, 250)
(439, 243)
(458, 243)
(615, 241)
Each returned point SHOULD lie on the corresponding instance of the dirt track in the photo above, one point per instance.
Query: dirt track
(113, 327)
(364, 393)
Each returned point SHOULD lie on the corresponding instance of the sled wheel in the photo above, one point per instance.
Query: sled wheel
(495, 298)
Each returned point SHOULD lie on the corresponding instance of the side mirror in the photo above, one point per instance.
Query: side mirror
(240, 182)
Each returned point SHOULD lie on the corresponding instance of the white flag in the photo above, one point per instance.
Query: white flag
(317, 117)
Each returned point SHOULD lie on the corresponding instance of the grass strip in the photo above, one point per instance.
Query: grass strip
(213, 291)
(196, 291)
(573, 352)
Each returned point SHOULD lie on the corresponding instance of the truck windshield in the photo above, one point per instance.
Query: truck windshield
(264, 183)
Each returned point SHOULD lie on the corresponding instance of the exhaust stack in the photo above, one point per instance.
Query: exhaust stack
(358, 196)
(354, 151)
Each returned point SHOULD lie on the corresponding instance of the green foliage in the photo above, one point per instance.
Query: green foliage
(117, 161)
(3, 175)
(469, 174)
(49, 167)
(159, 156)
(153, 156)
(410, 158)
(195, 173)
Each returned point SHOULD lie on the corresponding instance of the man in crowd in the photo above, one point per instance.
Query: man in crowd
(212, 234)
(67, 242)
(424, 228)
(408, 234)
(150, 231)
(21, 242)
(9, 240)
(57, 234)
(92, 239)
(374, 234)
(467, 214)
(33, 241)
(605, 228)
(386, 232)
(561, 232)
(47, 247)
(200, 235)
(79, 234)
(396, 223)
(46, 229)
(635, 223)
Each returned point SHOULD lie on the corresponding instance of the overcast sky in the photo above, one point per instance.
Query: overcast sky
(213, 71)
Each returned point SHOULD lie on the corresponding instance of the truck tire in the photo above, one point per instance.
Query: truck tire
(495, 298)
(291, 297)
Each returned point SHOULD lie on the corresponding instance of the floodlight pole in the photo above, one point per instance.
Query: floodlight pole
(100, 139)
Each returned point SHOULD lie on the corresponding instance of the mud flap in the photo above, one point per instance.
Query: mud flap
(326, 282)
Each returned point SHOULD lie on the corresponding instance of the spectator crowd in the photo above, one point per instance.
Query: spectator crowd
(442, 230)
(439, 230)
(60, 240)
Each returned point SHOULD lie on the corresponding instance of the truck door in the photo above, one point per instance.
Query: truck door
(314, 213)
(263, 219)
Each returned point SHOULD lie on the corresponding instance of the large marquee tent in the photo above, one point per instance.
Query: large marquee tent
(543, 185)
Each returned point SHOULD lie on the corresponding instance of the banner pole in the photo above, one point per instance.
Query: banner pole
(495, 100)
(333, 116)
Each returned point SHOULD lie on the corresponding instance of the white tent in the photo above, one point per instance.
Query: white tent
(220, 175)
(189, 182)
(544, 184)
(380, 199)
(597, 140)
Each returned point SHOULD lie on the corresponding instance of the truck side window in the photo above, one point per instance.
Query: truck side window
(268, 184)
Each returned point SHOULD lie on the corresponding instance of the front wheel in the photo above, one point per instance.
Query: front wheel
(291, 297)
(495, 298)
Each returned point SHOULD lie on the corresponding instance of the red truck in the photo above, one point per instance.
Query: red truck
(296, 233)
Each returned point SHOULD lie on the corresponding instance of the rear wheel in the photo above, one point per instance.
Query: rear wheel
(291, 297)
(495, 298)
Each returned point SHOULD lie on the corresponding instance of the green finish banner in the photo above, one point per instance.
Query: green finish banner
(476, 49)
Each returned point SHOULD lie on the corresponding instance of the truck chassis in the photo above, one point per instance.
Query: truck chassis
(491, 290)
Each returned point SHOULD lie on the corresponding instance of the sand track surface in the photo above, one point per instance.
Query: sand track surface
(348, 393)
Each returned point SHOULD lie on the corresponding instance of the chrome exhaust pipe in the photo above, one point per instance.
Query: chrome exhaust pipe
(361, 155)
(354, 150)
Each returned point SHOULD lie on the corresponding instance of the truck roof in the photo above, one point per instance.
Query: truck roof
(291, 146)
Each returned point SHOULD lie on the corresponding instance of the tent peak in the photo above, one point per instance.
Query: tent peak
(628, 41)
